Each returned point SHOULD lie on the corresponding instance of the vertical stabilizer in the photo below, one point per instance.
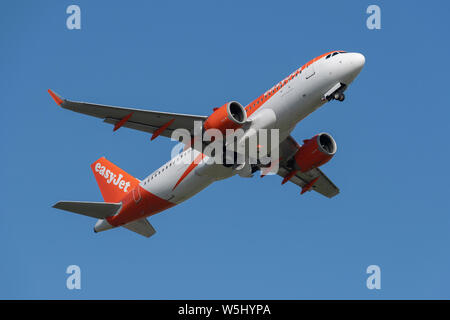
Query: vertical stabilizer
(114, 183)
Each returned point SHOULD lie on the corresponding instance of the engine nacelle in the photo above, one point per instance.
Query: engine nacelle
(231, 115)
(315, 152)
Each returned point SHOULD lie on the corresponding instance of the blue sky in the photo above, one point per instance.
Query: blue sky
(239, 238)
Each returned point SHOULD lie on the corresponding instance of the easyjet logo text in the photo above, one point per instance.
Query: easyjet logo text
(112, 177)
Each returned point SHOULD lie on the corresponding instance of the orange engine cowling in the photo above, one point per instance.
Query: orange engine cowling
(315, 152)
(231, 115)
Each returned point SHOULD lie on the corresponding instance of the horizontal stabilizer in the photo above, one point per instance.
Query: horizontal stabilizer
(99, 210)
(141, 226)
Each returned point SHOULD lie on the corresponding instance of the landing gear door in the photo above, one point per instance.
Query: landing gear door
(309, 71)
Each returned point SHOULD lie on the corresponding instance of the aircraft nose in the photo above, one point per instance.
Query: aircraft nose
(354, 64)
(358, 61)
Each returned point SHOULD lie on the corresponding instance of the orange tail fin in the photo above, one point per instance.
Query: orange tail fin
(114, 183)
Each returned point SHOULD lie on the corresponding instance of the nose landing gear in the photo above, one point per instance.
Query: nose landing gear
(335, 93)
(338, 96)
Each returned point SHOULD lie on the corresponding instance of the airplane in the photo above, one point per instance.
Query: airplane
(128, 201)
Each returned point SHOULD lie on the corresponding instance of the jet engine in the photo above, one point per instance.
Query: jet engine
(231, 115)
(315, 152)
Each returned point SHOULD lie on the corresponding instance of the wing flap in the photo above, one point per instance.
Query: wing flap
(139, 126)
(323, 185)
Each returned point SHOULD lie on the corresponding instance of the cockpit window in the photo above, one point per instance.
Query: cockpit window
(334, 53)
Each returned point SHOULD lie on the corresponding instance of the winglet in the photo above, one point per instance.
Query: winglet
(55, 97)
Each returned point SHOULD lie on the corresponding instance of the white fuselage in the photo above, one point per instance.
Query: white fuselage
(282, 107)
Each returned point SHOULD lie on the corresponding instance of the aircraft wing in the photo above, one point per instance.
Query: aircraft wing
(322, 185)
(155, 122)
